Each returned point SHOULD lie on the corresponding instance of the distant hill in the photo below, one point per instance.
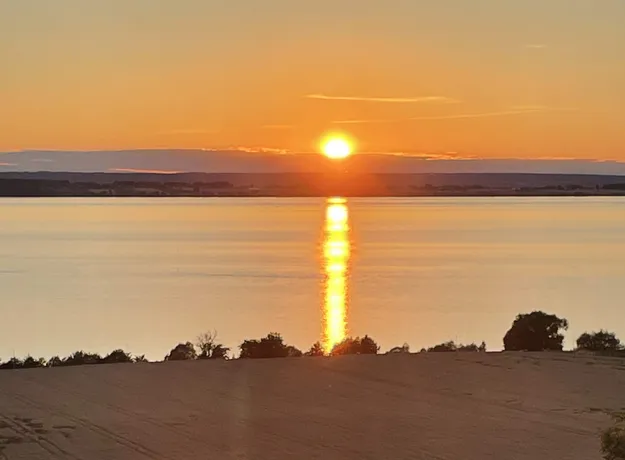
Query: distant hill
(262, 161)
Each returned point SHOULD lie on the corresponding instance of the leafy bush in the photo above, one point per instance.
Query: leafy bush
(117, 356)
(452, 346)
(536, 331)
(356, 346)
(80, 358)
(613, 439)
(182, 352)
(315, 350)
(272, 346)
(599, 341)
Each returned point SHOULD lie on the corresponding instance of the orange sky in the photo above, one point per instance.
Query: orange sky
(481, 78)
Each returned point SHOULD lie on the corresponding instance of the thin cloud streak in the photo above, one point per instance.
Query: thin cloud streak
(535, 46)
(144, 171)
(439, 99)
(503, 113)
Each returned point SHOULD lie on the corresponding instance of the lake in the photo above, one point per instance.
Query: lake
(145, 274)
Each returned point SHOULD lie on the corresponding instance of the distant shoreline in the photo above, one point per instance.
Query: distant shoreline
(305, 185)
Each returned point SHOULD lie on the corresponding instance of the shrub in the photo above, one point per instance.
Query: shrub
(613, 439)
(356, 346)
(209, 348)
(405, 348)
(452, 346)
(599, 341)
(272, 346)
(182, 352)
(536, 331)
(315, 350)
(117, 356)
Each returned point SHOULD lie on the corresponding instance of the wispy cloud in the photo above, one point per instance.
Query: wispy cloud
(144, 171)
(519, 110)
(8, 164)
(438, 99)
(246, 149)
(535, 46)
(277, 126)
(42, 160)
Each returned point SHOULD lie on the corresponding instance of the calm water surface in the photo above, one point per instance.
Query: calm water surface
(144, 274)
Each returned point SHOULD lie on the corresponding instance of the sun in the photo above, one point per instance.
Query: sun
(336, 148)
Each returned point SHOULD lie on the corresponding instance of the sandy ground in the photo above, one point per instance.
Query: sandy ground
(435, 406)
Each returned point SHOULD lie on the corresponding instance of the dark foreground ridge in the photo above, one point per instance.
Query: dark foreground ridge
(342, 183)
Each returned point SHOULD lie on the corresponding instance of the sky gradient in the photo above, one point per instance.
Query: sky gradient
(481, 79)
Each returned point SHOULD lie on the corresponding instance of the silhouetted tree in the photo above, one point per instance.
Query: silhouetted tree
(405, 348)
(292, 352)
(140, 359)
(209, 348)
(80, 358)
(536, 331)
(599, 341)
(315, 350)
(356, 346)
(13, 363)
(31, 363)
(54, 361)
(182, 352)
(117, 356)
(272, 346)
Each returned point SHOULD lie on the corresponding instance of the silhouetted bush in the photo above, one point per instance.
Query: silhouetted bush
(452, 346)
(13, 363)
(182, 352)
(405, 348)
(357, 346)
(32, 363)
(599, 341)
(209, 348)
(536, 331)
(140, 359)
(613, 439)
(315, 350)
(80, 358)
(272, 346)
(54, 361)
(117, 356)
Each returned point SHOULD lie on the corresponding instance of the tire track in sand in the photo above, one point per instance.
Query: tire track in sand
(95, 428)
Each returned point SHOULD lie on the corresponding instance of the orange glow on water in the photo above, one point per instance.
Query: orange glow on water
(336, 252)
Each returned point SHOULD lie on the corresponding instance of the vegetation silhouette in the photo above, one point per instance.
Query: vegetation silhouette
(613, 439)
(272, 346)
(117, 356)
(356, 346)
(535, 331)
(209, 348)
(599, 341)
(315, 350)
(182, 352)
(451, 346)
(405, 348)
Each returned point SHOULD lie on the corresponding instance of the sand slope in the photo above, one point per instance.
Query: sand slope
(435, 406)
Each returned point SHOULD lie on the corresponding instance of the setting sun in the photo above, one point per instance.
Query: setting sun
(336, 148)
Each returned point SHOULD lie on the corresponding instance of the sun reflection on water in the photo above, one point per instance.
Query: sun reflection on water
(336, 254)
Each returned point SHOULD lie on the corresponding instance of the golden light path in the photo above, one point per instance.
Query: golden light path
(336, 251)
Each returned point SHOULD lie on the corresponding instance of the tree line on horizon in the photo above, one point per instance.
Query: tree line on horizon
(535, 331)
